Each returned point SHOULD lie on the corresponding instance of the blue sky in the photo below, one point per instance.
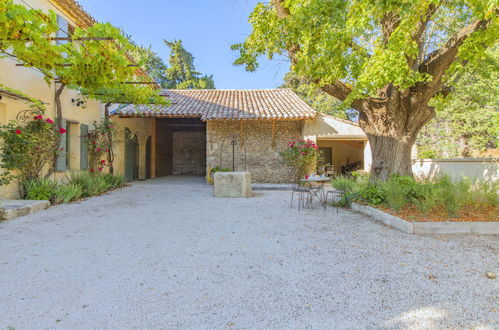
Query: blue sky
(206, 27)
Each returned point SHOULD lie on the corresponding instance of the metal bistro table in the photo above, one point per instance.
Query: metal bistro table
(317, 191)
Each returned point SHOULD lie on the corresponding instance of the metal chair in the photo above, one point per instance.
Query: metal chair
(329, 170)
(302, 192)
(335, 196)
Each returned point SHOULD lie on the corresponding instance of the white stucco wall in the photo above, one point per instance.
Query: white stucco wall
(325, 126)
(473, 168)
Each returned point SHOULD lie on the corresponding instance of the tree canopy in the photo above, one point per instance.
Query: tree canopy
(385, 59)
(467, 121)
(95, 60)
(316, 98)
(182, 74)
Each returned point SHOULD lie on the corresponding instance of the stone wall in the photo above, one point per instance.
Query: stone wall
(189, 155)
(262, 160)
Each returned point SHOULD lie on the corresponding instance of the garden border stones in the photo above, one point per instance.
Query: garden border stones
(13, 208)
(486, 228)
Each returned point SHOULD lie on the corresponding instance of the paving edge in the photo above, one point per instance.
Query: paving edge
(22, 209)
(484, 228)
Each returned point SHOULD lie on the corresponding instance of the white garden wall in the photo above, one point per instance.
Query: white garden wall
(483, 169)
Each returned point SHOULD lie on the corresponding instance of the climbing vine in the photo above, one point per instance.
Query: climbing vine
(27, 150)
(100, 140)
(93, 60)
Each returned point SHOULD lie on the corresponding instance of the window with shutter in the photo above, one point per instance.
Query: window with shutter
(83, 148)
(63, 31)
(61, 163)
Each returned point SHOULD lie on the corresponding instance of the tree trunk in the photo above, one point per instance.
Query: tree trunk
(390, 155)
(110, 152)
(59, 117)
(391, 126)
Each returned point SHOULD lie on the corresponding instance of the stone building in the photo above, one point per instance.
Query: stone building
(235, 129)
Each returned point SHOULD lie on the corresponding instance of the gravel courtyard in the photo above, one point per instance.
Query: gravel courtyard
(165, 254)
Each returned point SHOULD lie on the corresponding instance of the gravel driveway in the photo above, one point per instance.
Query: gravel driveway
(165, 254)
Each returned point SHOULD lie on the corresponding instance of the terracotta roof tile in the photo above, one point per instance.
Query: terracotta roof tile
(220, 104)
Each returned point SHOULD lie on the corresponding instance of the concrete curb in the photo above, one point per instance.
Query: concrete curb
(484, 228)
(13, 208)
(271, 186)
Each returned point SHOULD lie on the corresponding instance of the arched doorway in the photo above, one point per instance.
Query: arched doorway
(148, 158)
(131, 156)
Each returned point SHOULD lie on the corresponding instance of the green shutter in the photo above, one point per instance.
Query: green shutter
(61, 164)
(83, 148)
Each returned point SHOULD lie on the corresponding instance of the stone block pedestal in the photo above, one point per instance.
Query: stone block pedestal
(232, 184)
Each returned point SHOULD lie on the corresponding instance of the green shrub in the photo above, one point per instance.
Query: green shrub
(95, 184)
(400, 191)
(343, 183)
(452, 196)
(114, 181)
(98, 185)
(39, 189)
(82, 179)
(68, 193)
(486, 192)
(371, 194)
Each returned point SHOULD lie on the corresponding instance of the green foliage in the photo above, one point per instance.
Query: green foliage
(68, 193)
(39, 189)
(153, 64)
(28, 149)
(302, 155)
(78, 185)
(100, 140)
(344, 40)
(114, 181)
(317, 99)
(372, 194)
(182, 74)
(467, 120)
(95, 67)
(95, 184)
(344, 183)
(401, 191)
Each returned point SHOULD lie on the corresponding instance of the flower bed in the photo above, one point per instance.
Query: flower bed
(75, 187)
(442, 200)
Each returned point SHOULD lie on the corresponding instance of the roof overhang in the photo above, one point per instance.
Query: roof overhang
(342, 137)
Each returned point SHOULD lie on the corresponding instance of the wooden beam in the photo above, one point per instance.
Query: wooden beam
(273, 134)
(154, 141)
(69, 64)
(64, 39)
(241, 134)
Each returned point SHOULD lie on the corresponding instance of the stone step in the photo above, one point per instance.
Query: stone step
(13, 208)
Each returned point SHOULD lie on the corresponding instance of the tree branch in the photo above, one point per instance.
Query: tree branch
(338, 89)
(341, 90)
(441, 59)
(418, 34)
(389, 23)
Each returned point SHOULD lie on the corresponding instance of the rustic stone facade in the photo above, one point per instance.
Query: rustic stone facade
(189, 153)
(254, 143)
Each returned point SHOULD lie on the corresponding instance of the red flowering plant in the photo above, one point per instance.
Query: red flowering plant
(301, 154)
(100, 142)
(28, 147)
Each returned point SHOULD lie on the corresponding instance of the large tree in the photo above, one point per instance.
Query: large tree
(385, 59)
(317, 98)
(467, 121)
(182, 74)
